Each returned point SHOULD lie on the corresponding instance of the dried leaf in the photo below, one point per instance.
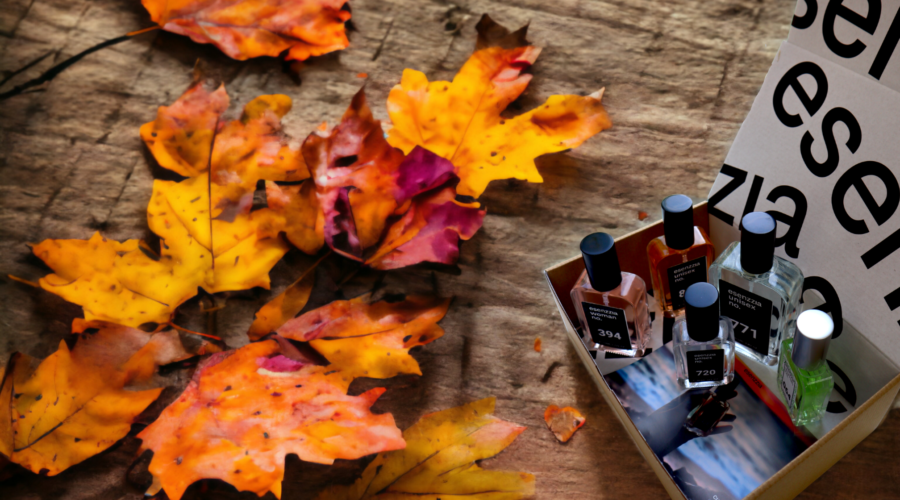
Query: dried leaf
(537, 344)
(381, 208)
(75, 403)
(245, 410)
(118, 282)
(461, 120)
(439, 461)
(284, 306)
(563, 422)
(245, 151)
(245, 250)
(370, 339)
(304, 221)
(253, 28)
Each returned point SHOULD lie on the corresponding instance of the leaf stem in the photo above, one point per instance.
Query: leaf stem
(51, 73)
(185, 330)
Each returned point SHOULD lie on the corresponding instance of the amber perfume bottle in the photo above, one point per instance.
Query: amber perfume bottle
(611, 304)
(679, 258)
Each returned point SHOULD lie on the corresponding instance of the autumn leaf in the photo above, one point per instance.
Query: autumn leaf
(119, 282)
(77, 403)
(244, 411)
(563, 422)
(370, 339)
(439, 461)
(251, 28)
(246, 150)
(304, 221)
(462, 122)
(222, 255)
(285, 305)
(375, 201)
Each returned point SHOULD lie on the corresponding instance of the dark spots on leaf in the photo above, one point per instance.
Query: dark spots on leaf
(236, 259)
(502, 122)
(227, 388)
(39, 397)
(266, 435)
(77, 439)
(54, 457)
(258, 413)
(298, 386)
(153, 134)
(276, 394)
(493, 153)
(195, 219)
(195, 199)
(237, 471)
(17, 395)
(179, 460)
(406, 339)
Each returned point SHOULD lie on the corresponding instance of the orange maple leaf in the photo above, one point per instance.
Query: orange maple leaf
(441, 460)
(563, 422)
(363, 338)
(244, 411)
(76, 402)
(251, 28)
(461, 120)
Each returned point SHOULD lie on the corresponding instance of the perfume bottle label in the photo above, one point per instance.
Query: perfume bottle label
(750, 315)
(607, 325)
(684, 275)
(706, 366)
(788, 382)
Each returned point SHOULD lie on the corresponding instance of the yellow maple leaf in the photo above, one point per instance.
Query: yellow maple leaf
(461, 120)
(244, 249)
(439, 461)
(75, 403)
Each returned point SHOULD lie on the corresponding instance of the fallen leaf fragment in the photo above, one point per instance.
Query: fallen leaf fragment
(245, 150)
(461, 120)
(245, 410)
(563, 422)
(642, 215)
(284, 306)
(380, 207)
(252, 28)
(304, 221)
(439, 460)
(119, 282)
(537, 344)
(370, 339)
(77, 402)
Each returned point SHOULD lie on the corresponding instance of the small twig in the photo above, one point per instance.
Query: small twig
(185, 330)
(25, 68)
(51, 73)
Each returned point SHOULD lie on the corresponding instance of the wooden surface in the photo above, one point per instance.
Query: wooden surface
(680, 77)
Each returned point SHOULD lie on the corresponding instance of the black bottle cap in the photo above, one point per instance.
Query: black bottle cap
(678, 221)
(702, 311)
(757, 242)
(601, 261)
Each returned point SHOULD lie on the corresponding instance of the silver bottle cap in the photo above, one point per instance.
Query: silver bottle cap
(814, 329)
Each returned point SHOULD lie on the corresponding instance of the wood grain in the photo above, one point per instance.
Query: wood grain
(680, 76)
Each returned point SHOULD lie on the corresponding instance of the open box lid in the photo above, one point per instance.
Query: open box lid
(820, 151)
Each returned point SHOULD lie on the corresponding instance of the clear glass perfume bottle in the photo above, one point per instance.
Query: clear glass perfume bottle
(760, 293)
(703, 341)
(611, 304)
(803, 374)
(679, 258)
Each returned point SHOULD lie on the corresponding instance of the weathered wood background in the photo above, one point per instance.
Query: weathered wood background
(680, 77)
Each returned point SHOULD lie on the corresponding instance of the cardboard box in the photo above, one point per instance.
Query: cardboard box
(819, 151)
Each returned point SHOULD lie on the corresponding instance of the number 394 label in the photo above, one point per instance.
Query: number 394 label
(706, 366)
(607, 326)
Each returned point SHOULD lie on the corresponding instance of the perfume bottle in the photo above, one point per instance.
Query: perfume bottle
(679, 258)
(703, 341)
(805, 378)
(760, 293)
(611, 304)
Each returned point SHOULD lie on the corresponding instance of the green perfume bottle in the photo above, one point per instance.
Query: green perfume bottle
(805, 378)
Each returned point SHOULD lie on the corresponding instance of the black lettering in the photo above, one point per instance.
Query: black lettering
(848, 391)
(880, 251)
(790, 79)
(794, 222)
(853, 178)
(738, 177)
(887, 48)
(830, 164)
(753, 197)
(893, 299)
(832, 303)
(868, 24)
(801, 23)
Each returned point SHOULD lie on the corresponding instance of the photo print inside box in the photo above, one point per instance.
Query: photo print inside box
(717, 443)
